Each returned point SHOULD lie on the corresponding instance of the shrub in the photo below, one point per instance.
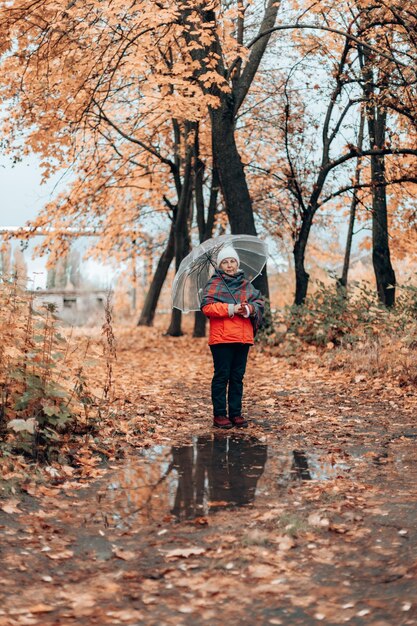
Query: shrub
(344, 317)
(43, 381)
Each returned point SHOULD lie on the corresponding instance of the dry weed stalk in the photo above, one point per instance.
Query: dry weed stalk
(109, 348)
(43, 382)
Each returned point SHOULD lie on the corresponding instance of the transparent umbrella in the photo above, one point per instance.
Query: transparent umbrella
(199, 265)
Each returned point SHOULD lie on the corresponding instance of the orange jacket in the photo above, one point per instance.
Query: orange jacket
(225, 329)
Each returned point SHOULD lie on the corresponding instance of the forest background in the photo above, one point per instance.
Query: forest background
(177, 121)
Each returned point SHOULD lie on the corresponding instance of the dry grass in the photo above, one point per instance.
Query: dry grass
(44, 371)
(383, 356)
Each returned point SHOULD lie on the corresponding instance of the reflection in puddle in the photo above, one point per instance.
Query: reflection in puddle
(214, 472)
(217, 472)
(300, 467)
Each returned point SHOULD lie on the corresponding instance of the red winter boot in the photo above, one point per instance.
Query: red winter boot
(222, 422)
(239, 421)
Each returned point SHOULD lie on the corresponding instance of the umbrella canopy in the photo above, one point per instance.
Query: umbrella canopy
(199, 265)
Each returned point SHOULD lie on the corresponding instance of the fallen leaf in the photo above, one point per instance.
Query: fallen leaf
(184, 552)
(84, 604)
(149, 599)
(11, 506)
(64, 554)
(126, 615)
(125, 555)
(262, 571)
(286, 543)
(315, 519)
(19, 425)
(40, 608)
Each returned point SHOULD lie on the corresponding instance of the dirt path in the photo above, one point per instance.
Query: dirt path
(308, 516)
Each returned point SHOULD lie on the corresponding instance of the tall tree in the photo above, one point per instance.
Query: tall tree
(230, 88)
(309, 192)
(376, 115)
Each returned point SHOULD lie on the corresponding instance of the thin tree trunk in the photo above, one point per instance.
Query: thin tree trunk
(151, 301)
(343, 280)
(200, 323)
(381, 258)
(205, 229)
(384, 272)
(174, 329)
(181, 233)
(301, 276)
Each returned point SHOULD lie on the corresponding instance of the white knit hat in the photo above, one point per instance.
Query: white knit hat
(228, 252)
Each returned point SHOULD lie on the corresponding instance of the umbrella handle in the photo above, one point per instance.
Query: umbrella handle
(226, 285)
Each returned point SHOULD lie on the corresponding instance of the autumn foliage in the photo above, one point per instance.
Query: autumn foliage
(176, 121)
(155, 108)
(45, 376)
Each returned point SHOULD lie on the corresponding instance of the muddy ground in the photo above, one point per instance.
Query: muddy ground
(308, 516)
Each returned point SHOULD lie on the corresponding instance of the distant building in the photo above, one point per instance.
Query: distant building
(73, 306)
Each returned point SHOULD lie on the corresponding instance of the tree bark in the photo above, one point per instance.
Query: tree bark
(205, 226)
(384, 272)
(301, 276)
(381, 258)
(226, 156)
(200, 324)
(149, 307)
(174, 329)
(181, 231)
(232, 178)
(343, 280)
(233, 184)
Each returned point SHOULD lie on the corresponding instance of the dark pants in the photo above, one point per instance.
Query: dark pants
(229, 369)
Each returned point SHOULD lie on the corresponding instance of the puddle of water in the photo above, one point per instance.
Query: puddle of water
(213, 472)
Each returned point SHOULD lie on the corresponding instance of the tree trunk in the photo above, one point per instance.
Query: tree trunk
(154, 291)
(226, 156)
(205, 228)
(343, 280)
(232, 177)
(301, 276)
(384, 272)
(182, 248)
(200, 322)
(174, 329)
(377, 122)
(181, 233)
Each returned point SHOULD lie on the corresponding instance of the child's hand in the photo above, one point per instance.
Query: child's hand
(248, 310)
(239, 309)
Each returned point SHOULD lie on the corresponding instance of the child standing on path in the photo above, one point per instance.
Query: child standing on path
(232, 330)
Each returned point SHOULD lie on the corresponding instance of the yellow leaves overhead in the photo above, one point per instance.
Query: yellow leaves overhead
(96, 88)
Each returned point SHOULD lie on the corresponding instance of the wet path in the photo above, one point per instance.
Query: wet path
(227, 524)
(307, 517)
(215, 471)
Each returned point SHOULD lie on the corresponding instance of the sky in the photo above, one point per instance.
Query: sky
(22, 198)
